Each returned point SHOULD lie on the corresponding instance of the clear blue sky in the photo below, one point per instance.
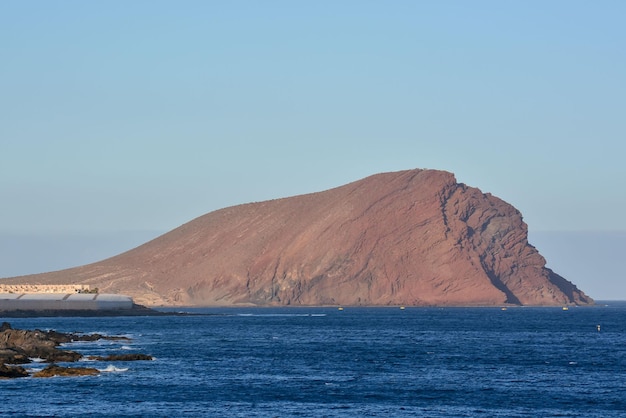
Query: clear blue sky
(141, 115)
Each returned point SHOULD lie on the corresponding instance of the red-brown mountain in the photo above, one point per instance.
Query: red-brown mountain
(406, 238)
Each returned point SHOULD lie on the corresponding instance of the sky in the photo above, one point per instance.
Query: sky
(123, 118)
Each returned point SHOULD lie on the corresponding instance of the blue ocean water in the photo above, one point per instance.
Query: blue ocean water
(323, 362)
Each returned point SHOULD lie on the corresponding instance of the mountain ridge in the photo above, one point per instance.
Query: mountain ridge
(414, 237)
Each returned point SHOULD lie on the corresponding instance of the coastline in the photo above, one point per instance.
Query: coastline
(136, 310)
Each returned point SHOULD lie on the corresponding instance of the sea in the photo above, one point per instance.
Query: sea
(350, 362)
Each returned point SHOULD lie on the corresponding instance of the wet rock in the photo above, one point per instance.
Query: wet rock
(54, 370)
(11, 372)
(19, 346)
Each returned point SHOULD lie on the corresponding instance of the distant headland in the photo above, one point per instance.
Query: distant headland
(410, 238)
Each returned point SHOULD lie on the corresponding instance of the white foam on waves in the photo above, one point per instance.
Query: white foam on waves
(112, 369)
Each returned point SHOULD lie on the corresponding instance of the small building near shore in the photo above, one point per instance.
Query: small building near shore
(45, 288)
(64, 301)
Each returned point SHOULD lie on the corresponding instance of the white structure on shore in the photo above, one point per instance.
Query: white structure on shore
(64, 301)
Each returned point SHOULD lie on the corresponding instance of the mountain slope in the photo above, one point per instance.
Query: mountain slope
(406, 238)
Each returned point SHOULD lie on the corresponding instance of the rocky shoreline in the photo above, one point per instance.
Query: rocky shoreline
(18, 347)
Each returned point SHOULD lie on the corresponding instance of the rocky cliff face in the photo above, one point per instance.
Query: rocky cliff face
(406, 238)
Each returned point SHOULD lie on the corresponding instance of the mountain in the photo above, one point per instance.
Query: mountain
(413, 237)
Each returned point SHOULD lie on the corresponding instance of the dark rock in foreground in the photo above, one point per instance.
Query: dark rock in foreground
(19, 346)
(54, 370)
(10, 372)
(22, 346)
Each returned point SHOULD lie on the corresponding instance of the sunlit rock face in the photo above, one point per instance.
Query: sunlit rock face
(413, 237)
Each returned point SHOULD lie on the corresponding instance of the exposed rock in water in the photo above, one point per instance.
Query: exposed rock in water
(407, 238)
(18, 346)
(54, 370)
(21, 346)
(11, 372)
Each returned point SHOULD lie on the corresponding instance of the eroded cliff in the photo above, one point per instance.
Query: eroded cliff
(414, 237)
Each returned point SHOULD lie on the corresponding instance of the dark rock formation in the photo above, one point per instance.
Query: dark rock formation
(18, 346)
(21, 346)
(54, 370)
(11, 372)
(407, 238)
